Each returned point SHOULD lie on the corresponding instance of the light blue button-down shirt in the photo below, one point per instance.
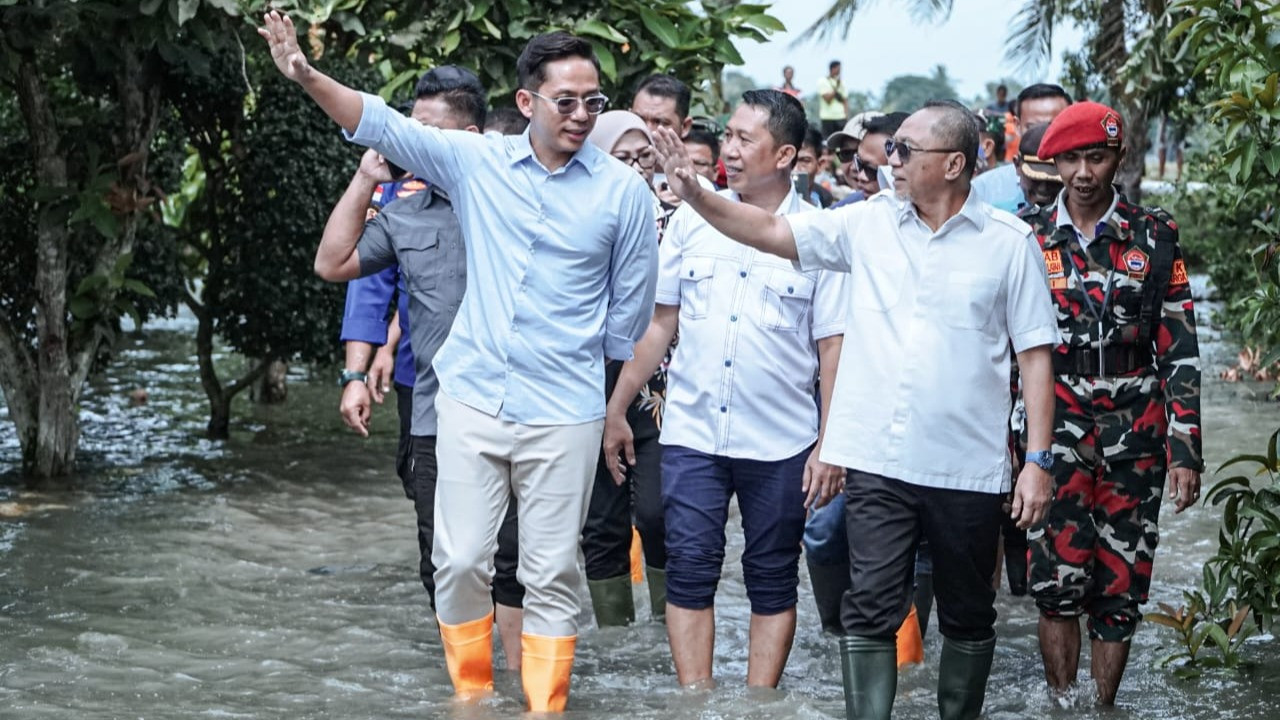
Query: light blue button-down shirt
(1000, 188)
(561, 266)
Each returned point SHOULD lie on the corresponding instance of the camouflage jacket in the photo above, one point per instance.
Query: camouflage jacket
(1152, 410)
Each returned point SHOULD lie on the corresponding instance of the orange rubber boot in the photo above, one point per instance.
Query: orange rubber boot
(637, 557)
(545, 666)
(468, 652)
(910, 644)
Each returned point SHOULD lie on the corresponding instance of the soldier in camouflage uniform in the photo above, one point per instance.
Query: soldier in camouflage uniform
(1128, 400)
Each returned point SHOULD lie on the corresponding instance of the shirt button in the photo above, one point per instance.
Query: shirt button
(728, 363)
(690, 273)
(724, 409)
(791, 289)
(742, 273)
(733, 318)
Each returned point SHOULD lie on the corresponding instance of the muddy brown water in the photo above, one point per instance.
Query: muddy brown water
(274, 576)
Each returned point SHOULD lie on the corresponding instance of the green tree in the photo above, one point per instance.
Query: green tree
(907, 93)
(85, 91)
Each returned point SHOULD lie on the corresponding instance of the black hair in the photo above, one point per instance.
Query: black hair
(956, 128)
(834, 64)
(531, 67)
(787, 123)
(459, 88)
(813, 139)
(886, 124)
(1003, 87)
(702, 137)
(1039, 91)
(992, 127)
(667, 86)
(506, 120)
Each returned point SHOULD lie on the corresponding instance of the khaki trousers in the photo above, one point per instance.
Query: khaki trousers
(483, 461)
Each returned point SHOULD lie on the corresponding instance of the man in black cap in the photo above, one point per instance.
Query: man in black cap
(1039, 180)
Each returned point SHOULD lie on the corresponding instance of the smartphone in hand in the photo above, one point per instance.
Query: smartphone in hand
(801, 182)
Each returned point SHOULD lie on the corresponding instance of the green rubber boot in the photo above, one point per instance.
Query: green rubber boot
(962, 677)
(870, 669)
(612, 602)
(657, 580)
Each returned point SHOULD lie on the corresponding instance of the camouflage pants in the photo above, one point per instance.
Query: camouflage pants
(1092, 553)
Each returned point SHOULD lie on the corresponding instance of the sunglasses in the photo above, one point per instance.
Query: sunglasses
(846, 155)
(569, 105)
(706, 124)
(893, 145)
(865, 169)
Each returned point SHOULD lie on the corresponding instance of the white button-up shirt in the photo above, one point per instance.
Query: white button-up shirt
(741, 382)
(922, 392)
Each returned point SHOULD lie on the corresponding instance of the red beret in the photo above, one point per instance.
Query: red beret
(1084, 124)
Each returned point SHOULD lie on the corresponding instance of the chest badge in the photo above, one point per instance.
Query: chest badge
(1135, 263)
(1053, 262)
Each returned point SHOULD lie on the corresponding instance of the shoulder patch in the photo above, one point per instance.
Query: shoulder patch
(1179, 276)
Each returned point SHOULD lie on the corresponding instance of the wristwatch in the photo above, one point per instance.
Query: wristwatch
(351, 376)
(1043, 458)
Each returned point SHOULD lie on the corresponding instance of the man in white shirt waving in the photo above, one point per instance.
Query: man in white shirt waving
(942, 285)
(740, 418)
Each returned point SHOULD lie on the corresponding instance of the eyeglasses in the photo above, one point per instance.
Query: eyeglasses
(846, 155)
(865, 169)
(643, 159)
(904, 150)
(706, 124)
(569, 105)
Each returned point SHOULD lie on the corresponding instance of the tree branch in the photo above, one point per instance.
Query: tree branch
(248, 378)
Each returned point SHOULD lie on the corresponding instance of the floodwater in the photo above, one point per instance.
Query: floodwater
(274, 576)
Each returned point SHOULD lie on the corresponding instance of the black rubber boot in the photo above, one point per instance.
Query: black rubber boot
(924, 601)
(657, 580)
(829, 585)
(870, 669)
(962, 677)
(612, 602)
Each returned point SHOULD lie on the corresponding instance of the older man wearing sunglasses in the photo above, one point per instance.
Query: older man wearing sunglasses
(941, 286)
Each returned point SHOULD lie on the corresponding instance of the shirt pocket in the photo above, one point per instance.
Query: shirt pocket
(787, 298)
(696, 275)
(969, 300)
(420, 261)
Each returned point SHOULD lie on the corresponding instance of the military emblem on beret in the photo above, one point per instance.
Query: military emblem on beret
(1111, 126)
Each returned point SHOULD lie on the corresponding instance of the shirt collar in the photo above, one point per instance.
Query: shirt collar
(588, 156)
(789, 205)
(971, 210)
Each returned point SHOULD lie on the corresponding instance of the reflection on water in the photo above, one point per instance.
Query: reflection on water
(275, 576)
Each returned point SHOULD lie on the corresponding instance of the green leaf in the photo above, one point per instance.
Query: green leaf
(660, 27)
(608, 65)
(91, 283)
(1180, 28)
(82, 308)
(727, 53)
(137, 287)
(604, 31)
(478, 10)
(766, 22)
(450, 43)
(490, 28)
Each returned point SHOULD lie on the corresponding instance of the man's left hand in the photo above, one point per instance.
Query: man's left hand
(1031, 495)
(821, 481)
(1184, 485)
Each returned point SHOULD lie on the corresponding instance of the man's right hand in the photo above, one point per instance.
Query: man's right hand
(682, 178)
(373, 167)
(618, 439)
(282, 37)
(355, 408)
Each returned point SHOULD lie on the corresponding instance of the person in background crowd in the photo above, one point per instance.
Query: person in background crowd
(421, 228)
(927, 455)
(607, 534)
(516, 417)
(1128, 400)
(1000, 105)
(869, 161)
(1041, 184)
(1036, 104)
(704, 151)
(505, 121)
(807, 163)
(788, 85)
(741, 417)
(663, 101)
(990, 140)
(1173, 137)
(844, 145)
(833, 100)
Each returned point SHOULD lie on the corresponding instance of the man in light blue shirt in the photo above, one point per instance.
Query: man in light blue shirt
(1036, 104)
(561, 265)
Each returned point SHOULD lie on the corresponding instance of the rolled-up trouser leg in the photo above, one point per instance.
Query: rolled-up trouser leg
(473, 451)
(771, 502)
(696, 488)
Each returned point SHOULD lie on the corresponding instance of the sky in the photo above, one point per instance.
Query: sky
(884, 42)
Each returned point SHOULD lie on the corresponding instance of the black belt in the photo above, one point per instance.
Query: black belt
(1118, 360)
